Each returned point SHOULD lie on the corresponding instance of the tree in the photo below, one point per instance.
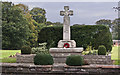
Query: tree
(48, 23)
(78, 24)
(104, 22)
(23, 7)
(38, 14)
(57, 23)
(33, 32)
(15, 30)
(116, 29)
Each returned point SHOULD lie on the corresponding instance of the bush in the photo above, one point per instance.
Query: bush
(101, 50)
(97, 34)
(74, 60)
(43, 59)
(93, 52)
(26, 50)
(40, 49)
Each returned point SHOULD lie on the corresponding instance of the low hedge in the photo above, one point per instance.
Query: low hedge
(74, 60)
(82, 34)
(43, 59)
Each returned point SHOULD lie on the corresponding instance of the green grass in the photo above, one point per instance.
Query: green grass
(115, 55)
(4, 56)
(7, 53)
(8, 60)
(117, 62)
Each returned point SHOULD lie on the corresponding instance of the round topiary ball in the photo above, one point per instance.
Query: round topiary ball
(74, 60)
(102, 50)
(43, 59)
(26, 50)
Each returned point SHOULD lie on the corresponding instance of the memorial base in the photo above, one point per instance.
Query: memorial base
(60, 54)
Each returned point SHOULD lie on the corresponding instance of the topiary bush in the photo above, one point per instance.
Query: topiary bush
(26, 50)
(102, 50)
(74, 60)
(43, 59)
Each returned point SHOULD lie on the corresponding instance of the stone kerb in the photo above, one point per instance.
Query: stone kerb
(15, 68)
(26, 69)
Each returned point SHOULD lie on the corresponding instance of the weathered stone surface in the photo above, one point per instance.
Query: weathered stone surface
(66, 50)
(66, 23)
(98, 59)
(27, 69)
(66, 29)
(60, 54)
(28, 58)
(59, 60)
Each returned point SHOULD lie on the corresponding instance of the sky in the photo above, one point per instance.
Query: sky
(62, 0)
(83, 12)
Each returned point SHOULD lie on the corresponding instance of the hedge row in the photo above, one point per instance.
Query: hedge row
(82, 34)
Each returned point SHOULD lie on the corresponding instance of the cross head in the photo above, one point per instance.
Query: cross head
(67, 12)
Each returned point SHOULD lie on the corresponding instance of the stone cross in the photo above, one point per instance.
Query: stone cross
(66, 23)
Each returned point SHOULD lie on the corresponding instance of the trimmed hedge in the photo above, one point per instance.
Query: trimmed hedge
(43, 59)
(82, 34)
(26, 50)
(75, 60)
(101, 50)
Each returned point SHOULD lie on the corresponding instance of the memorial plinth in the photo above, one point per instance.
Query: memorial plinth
(60, 54)
(66, 47)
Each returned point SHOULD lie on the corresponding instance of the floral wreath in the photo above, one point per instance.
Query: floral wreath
(66, 45)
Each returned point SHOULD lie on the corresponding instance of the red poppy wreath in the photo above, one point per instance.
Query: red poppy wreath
(66, 45)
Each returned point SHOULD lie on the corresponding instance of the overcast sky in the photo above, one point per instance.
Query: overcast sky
(83, 12)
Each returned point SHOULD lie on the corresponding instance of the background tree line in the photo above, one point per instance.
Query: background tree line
(20, 26)
(113, 25)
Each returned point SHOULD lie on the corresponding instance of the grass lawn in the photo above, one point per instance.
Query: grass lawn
(8, 60)
(116, 54)
(7, 53)
(4, 55)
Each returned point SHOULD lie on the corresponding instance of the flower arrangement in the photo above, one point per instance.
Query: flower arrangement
(66, 45)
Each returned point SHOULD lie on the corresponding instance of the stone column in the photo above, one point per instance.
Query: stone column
(66, 28)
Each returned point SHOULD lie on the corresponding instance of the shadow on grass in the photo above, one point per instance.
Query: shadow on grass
(8, 60)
